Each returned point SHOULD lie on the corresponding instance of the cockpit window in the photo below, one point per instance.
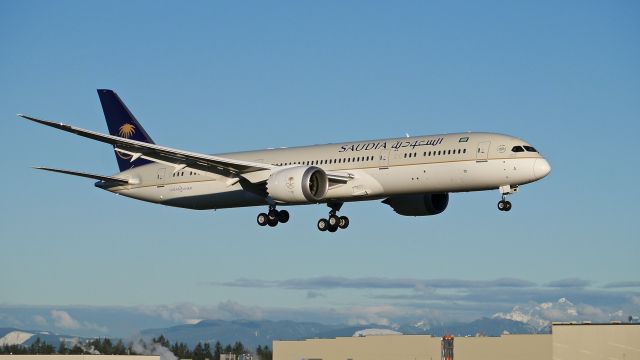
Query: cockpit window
(517, 148)
(530, 148)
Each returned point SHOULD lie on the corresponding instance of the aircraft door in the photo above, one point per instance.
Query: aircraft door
(161, 177)
(383, 158)
(482, 153)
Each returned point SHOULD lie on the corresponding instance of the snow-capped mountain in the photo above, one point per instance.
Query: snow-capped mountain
(522, 315)
(15, 337)
(543, 314)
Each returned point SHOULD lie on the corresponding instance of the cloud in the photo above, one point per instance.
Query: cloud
(314, 294)
(63, 320)
(336, 282)
(237, 310)
(247, 283)
(622, 284)
(40, 320)
(507, 296)
(10, 320)
(455, 299)
(569, 283)
(376, 314)
(180, 313)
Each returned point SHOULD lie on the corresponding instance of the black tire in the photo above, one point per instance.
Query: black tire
(334, 221)
(507, 206)
(273, 214)
(272, 222)
(502, 205)
(344, 222)
(333, 229)
(262, 219)
(323, 224)
(283, 216)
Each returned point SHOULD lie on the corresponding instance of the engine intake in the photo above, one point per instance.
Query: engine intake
(418, 205)
(299, 184)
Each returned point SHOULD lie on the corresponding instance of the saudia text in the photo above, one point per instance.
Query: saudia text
(396, 145)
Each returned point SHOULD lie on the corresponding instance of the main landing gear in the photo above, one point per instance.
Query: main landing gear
(334, 222)
(504, 204)
(273, 217)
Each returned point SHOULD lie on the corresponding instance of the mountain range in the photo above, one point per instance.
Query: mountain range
(523, 319)
(253, 333)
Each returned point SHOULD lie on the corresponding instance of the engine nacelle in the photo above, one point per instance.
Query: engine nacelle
(299, 184)
(418, 205)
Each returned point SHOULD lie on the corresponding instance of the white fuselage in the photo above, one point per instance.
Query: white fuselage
(379, 169)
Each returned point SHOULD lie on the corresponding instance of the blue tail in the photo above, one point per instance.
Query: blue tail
(123, 124)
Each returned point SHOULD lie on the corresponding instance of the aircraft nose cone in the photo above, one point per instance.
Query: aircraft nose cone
(541, 168)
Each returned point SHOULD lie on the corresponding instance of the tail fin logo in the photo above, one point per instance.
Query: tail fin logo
(126, 131)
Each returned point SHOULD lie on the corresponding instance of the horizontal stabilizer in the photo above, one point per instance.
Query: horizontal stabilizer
(86, 175)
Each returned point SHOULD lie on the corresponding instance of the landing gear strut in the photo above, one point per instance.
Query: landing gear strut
(504, 204)
(334, 222)
(273, 217)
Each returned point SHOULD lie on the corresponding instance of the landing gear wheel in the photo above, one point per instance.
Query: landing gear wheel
(504, 205)
(323, 224)
(262, 219)
(333, 228)
(272, 222)
(273, 214)
(283, 216)
(344, 222)
(334, 221)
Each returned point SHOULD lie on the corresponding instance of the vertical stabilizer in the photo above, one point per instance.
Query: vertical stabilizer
(122, 123)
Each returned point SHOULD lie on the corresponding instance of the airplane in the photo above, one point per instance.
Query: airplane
(413, 175)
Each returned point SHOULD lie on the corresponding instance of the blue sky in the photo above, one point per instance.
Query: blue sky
(224, 76)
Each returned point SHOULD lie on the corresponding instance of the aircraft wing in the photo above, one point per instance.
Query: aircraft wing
(180, 159)
(161, 154)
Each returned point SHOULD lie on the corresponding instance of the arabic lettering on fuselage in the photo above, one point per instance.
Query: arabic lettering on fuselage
(396, 145)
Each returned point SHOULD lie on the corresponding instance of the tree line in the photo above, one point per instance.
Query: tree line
(106, 346)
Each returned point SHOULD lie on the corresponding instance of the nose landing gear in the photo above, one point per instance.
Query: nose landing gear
(504, 204)
(334, 222)
(273, 217)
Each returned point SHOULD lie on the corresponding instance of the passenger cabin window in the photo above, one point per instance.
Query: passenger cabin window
(517, 149)
(530, 148)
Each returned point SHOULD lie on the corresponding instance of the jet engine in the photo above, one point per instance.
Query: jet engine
(299, 184)
(418, 205)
